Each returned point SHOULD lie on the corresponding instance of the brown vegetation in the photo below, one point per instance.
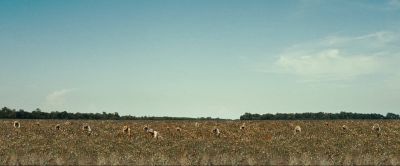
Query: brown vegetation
(243, 126)
(297, 129)
(262, 143)
(16, 124)
(216, 132)
(126, 130)
(57, 127)
(87, 129)
(376, 129)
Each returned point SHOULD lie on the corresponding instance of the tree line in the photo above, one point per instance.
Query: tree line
(7, 113)
(317, 116)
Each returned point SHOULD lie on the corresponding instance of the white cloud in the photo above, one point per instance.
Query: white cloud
(377, 39)
(328, 64)
(340, 57)
(56, 99)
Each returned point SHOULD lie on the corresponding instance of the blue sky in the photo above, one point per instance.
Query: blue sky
(218, 58)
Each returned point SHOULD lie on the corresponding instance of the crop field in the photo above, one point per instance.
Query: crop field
(258, 142)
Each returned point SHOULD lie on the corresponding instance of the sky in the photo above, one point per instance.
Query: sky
(205, 58)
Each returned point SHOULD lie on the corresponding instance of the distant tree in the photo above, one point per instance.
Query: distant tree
(38, 114)
(392, 116)
(246, 116)
(318, 115)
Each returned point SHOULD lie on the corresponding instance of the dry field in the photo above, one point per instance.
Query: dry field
(260, 142)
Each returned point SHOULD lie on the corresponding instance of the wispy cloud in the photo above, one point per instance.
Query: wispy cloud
(340, 57)
(377, 39)
(57, 99)
(328, 65)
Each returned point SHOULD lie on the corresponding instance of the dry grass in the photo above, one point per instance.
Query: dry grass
(263, 142)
